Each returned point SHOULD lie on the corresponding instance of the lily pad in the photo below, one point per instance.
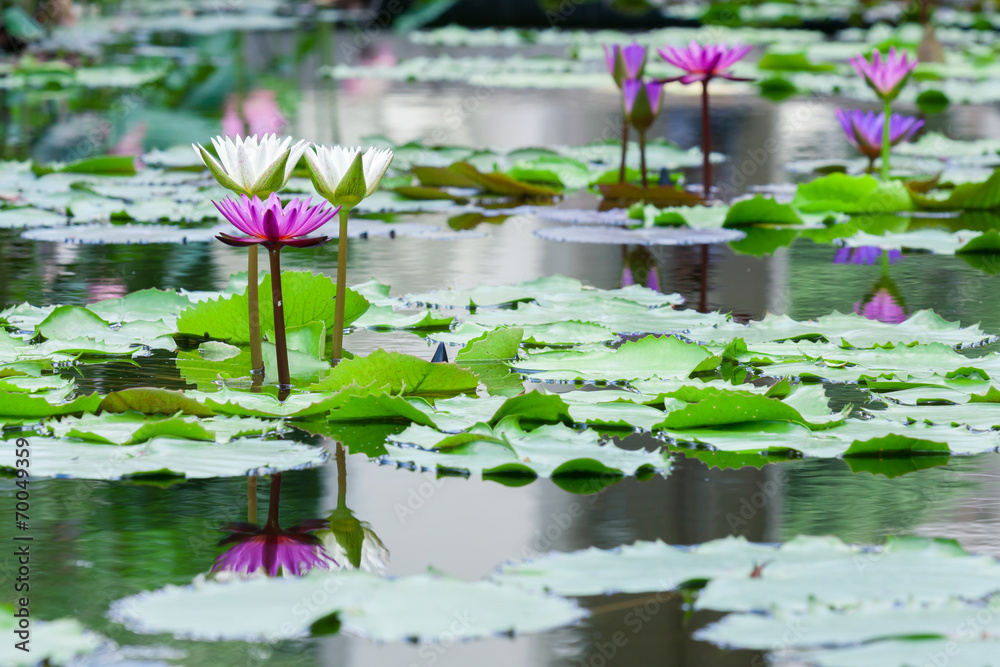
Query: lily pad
(425, 608)
(164, 457)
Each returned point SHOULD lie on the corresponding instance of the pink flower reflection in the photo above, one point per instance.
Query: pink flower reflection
(881, 306)
(258, 114)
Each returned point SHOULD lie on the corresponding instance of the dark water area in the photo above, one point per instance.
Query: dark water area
(101, 541)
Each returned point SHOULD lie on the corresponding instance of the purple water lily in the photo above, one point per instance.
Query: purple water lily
(881, 306)
(625, 62)
(866, 254)
(702, 64)
(886, 76)
(270, 225)
(642, 104)
(292, 551)
(274, 227)
(864, 130)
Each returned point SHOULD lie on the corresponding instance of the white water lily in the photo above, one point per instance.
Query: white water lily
(345, 176)
(251, 166)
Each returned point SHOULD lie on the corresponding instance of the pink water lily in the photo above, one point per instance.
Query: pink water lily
(703, 63)
(865, 129)
(881, 306)
(273, 549)
(626, 62)
(270, 225)
(886, 76)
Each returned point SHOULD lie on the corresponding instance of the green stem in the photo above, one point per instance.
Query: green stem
(252, 499)
(642, 157)
(272, 509)
(256, 357)
(341, 476)
(338, 318)
(621, 171)
(886, 146)
(281, 349)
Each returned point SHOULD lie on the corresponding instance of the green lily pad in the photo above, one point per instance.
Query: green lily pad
(852, 194)
(164, 457)
(508, 451)
(426, 608)
(649, 357)
(399, 373)
(308, 297)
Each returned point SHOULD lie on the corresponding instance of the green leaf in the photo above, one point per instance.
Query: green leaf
(508, 451)
(501, 184)
(112, 165)
(852, 194)
(399, 373)
(32, 406)
(966, 196)
(714, 407)
(164, 457)
(761, 209)
(54, 642)
(424, 607)
(534, 407)
(649, 357)
(308, 297)
(151, 401)
(502, 343)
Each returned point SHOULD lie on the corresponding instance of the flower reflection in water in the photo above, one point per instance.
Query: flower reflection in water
(866, 254)
(272, 550)
(881, 305)
(257, 113)
(640, 269)
(352, 541)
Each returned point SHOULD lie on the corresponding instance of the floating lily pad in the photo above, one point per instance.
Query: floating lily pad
(165, 457)
(426, 608)
(650, 357)
(508, 451)
(56, 642)
(642, 236)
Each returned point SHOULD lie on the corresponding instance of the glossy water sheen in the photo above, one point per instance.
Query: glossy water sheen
(98, 541)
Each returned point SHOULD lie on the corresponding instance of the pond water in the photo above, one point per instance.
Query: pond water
(98, 542)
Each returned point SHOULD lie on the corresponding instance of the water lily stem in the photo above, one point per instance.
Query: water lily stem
(706, 139)
(886, 145)
(341, 476)
(621, 171)
(256, 357)
(642, 157)
(338, 318)
(252, 499)
(272, 509)
(281, 349)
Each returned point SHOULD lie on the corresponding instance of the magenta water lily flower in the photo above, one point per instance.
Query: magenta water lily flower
(269, 224)
(885, 75)
(626, 62)
(703, 63)
(864, 130)
(273, 549)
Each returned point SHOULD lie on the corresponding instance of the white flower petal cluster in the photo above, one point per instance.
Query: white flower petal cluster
(251, 166)
(345, 176)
